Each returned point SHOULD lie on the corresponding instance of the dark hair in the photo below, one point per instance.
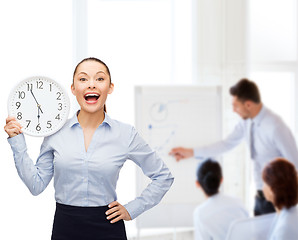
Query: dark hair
(95, 60)
(281, 176)
(246, 90)
(209, 176)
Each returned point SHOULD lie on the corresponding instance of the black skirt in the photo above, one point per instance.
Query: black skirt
(85, 223)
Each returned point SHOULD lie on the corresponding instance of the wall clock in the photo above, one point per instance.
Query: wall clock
(40, 104)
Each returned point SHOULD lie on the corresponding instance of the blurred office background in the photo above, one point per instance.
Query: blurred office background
(144, 42)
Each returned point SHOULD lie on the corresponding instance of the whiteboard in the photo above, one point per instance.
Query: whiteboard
(171, 116)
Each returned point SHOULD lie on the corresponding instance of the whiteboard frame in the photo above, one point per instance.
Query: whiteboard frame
(168, 215)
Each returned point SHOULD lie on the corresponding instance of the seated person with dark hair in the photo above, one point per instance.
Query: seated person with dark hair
(213, 217)
(281, 188)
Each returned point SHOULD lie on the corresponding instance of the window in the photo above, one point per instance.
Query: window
(273, 35)
(273, 56)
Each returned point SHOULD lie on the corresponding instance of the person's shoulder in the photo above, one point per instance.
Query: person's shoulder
(119, 127)
(286, 226)
(272, 118)
(114, 123)
(121, 123)
(270, 121)
(291, 214)
(68, 124)
(205, 207)
(229, 198)
(233, 206)
(207, 210)
(200, 211)
(231, 201)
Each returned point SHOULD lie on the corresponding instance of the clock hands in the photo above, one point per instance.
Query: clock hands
(38, 105)
(38, 116)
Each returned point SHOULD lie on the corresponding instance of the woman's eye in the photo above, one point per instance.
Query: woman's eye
(100, 79)
(83, 79)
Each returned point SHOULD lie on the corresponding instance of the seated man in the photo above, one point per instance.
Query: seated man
(213, 217)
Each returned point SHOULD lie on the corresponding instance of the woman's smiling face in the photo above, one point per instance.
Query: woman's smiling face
(91, 86)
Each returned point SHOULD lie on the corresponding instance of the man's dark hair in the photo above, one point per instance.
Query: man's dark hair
(209, 176)
(246, 90)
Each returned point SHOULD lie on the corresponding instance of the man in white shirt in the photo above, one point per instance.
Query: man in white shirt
(265, 132)
(213, 217)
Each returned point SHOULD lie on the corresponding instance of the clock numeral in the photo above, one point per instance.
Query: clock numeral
(38, 128)
(22, 94)
(18, 104)
(60, 106)
(29, 121)
(29, 86)
(58, 117)
(49, 124)
(39, 84)
(50, 87)
(59, 95)
(19, 116)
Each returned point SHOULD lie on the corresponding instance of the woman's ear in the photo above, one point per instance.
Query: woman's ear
(72, 89)
(111, 88)
(198, 184)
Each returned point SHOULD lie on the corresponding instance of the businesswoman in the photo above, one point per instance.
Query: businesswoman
(281, 188)
(213, 217)
(85, 158)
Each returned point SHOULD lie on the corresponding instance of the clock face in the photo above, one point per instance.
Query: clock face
(40, 105)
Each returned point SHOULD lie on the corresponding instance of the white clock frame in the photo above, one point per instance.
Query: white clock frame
(40, 104)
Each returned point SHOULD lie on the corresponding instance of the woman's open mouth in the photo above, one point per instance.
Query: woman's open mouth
(91, 98)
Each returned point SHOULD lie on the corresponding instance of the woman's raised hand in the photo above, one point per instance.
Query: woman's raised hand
(12, 127)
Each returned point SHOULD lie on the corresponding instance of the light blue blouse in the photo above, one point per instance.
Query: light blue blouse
(285, 225)
(89, 178)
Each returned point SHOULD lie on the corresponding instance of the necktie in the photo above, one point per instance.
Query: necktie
(252, 148)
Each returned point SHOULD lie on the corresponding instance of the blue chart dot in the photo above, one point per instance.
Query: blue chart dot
(150, 126)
